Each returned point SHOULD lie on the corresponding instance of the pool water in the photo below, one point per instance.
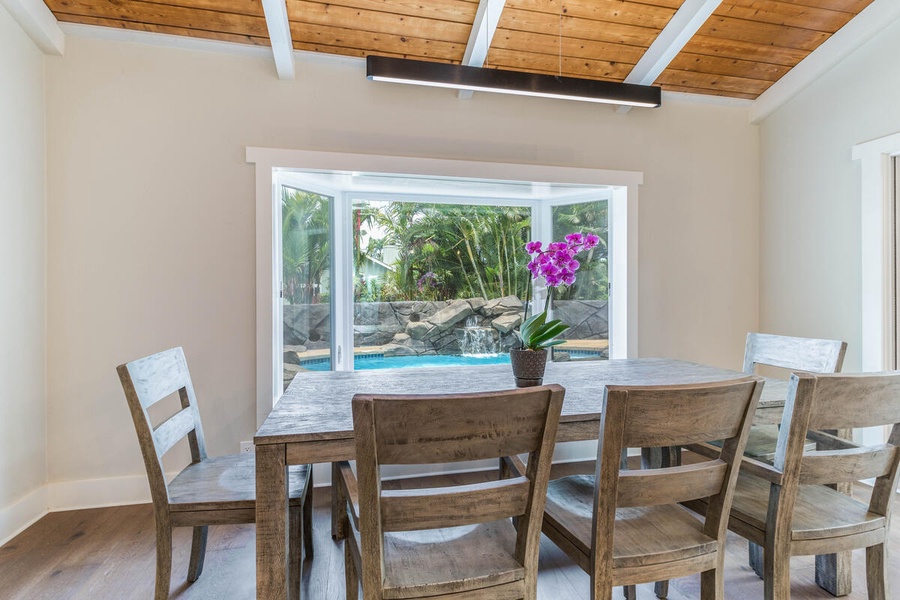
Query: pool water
(379, 361)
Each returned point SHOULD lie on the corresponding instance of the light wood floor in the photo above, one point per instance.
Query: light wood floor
(108, 553)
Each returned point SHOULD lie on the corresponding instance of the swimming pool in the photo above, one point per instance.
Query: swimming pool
(380, 361)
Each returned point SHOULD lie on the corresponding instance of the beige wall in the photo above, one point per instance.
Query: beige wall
(22, 277)
(151, 229)
(810, 195)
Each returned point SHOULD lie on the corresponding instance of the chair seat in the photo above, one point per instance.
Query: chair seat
(643, 535)
(453, 559)
(226, 482)
(820, 512)
(762, 441)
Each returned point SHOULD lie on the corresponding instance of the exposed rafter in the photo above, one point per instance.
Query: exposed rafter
(486, 18)
(280, 37)
(38, 22)
(680, 29)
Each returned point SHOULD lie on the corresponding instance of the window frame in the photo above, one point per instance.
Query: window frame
(622, 207)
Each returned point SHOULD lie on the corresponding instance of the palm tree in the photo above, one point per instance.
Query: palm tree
(305, 246)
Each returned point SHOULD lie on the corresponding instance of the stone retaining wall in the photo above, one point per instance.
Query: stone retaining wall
(416, 328)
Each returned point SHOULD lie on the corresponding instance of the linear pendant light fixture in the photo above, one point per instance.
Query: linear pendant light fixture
(421, 72)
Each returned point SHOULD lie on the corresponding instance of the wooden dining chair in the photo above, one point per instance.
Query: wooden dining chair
(447, 542)
(789, 509)
(796, 354)
(208, 491)
(625, 527)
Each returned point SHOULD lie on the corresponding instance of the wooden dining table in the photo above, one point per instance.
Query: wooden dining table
(312, 423)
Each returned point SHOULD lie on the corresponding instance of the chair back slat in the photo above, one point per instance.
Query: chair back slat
(837, 466)
(450, 428)
(158, 376)
(858, 400)
(145, 382)
(171, 431)
(795, 353)
(672, 416)
(417, 430)
(409, 510)
(671, 484)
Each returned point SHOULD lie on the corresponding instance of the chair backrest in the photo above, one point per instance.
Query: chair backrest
(671, 415)
(451, 428)
(146, 381)
(817, 404)
(794, 353)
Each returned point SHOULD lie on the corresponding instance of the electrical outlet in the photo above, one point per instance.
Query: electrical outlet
(247, 448)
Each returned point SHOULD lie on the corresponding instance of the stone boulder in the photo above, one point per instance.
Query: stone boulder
(419, 330)
(447, 317)
(506, 323)
(499, 306)
(398, 350)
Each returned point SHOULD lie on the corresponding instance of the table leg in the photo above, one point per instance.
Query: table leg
(656, 458)
(833, 571)
(338, 506)
(271, 522)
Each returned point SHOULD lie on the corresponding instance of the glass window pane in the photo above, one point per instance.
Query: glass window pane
(434, 280)
(306, 264)
(585, 304)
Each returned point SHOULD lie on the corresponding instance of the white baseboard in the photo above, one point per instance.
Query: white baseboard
(97, 493)
(21, 514)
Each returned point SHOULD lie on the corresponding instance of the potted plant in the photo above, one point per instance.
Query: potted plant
(557, 265)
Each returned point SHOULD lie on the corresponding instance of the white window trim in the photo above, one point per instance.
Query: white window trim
(876, 199)
(623, 213)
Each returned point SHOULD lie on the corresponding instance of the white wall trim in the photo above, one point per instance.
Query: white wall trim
(97, 493)
(38, 22)
(876, 242)
(868, 23)
(268, 159)
(22, 513)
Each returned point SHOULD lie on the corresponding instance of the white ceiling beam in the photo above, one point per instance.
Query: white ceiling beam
(280, 37)
(862, 28)
(679, 30)
(486, 18)
(38, 22)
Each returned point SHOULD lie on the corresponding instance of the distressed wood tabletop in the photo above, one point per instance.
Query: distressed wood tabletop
(316, 406)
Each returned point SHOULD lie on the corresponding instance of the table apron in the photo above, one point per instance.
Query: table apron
(320, 451)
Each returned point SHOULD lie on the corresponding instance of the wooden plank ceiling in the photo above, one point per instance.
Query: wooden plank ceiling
(742, 49)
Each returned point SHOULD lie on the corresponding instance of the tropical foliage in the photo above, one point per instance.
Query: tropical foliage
(445, 251)
(305, 246)
(432, 251)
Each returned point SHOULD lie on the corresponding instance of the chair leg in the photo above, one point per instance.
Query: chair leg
(712, 584)
(629, 592)
(350, 573)
(876, 572)
(295, 551)
(777, 576)
(755, 559)
(602, 588)
(661, 588)
(198, 553)
(163, 560)
(338, 505)
(307, 518)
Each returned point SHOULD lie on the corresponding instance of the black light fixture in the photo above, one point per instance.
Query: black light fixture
(421, 72)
